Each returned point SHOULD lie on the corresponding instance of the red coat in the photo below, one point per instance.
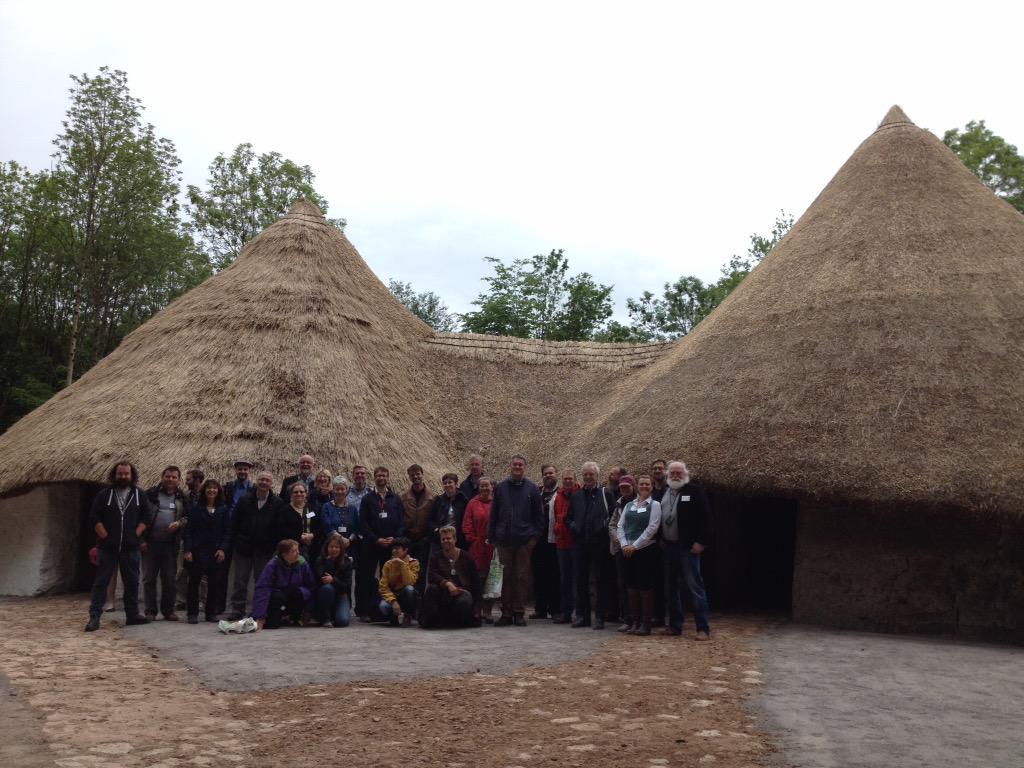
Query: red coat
(563, 536)
(474, 528)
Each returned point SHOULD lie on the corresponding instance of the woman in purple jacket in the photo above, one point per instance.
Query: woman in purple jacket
(284, 588)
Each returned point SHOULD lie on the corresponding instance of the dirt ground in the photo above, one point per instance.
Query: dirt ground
(108, 699)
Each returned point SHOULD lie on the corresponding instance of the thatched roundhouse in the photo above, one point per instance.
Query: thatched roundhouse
(857, 403)
(854, 406)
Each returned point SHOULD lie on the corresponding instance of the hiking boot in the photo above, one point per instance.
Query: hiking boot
(131, 621)
(580, 623)
(536, 615)
(211, 618)
(626, 627)
(519, 620)
(327, 624)
(599, 624)
(93, 625)
(562, 620)
(151, 615)
(193, 619)
(702, 635)
(172, 616)
(504, 621)
(670, 632)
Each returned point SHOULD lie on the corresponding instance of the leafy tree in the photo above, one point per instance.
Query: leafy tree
(536, 298)
(688, 300)
(91, 249)
(427, 306)
(245, 194)
(117, 189)
(991, 158)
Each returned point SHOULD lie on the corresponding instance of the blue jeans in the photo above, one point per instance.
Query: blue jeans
(682, 565)
(567, 570)
(333, 606)
(406, 603)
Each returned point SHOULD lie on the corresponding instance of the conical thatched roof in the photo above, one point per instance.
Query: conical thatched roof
(876, 353)
(295, 347)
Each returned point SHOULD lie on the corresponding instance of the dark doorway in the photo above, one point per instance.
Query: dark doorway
(84, 571)
(750, 565)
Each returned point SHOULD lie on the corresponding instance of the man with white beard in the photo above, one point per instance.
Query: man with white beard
(685, 531)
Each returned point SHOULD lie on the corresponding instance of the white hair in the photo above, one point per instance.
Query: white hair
(686, 471)
(592, 466)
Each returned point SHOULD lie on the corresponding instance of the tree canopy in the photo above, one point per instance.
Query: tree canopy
(90, 249)
(246, 193)
(536, 298)
(991, 158)
(426, 305)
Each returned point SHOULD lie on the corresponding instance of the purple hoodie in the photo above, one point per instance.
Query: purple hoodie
(279, 575)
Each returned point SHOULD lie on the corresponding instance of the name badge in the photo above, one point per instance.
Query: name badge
(342, 529)
(684, 498)
(383, 515)
(311, 514)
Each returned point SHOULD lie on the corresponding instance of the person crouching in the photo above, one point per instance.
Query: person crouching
(453, 589)
(334, 574)
(398, 577)
(284, 588)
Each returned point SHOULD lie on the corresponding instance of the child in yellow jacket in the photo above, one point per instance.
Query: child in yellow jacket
(398, 577)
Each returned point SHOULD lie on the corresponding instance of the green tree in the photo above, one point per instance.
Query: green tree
(688, 300)
(536, 298)
(117, 190)
(426, 305)
(245, 194)
(91, 249)
(991, 158)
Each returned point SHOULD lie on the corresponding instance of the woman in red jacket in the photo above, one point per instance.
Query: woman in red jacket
(474, 528)
(564, 545)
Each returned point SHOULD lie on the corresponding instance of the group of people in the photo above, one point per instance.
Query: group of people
(323, 549)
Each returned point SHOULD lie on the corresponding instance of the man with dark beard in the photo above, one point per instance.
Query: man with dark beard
(119, 515)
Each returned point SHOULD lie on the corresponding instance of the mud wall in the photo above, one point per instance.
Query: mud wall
(951, 572)
(40, 533)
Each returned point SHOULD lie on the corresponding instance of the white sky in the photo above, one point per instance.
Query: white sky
(646, 139)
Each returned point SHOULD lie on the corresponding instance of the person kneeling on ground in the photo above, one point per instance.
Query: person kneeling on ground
(284, 588)
(334, 573)
(398, 576)
(453, 589)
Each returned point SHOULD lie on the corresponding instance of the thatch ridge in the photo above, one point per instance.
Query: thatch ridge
(614, 355)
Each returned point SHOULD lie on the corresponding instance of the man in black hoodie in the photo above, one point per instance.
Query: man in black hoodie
(119, 515)
(516, 522)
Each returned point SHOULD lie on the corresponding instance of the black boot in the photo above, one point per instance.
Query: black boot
(647, 603)
(634, 611)
(93, 625)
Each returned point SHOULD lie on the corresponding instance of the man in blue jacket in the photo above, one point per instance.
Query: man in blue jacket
(119, 515)
(517, 521)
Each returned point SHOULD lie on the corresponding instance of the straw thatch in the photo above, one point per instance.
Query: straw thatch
(295, 347)
(875, 354)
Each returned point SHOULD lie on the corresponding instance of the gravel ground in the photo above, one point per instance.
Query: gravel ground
(113, 698)
(852, 700)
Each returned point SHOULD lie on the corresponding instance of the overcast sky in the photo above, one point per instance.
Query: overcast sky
(646, 139)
